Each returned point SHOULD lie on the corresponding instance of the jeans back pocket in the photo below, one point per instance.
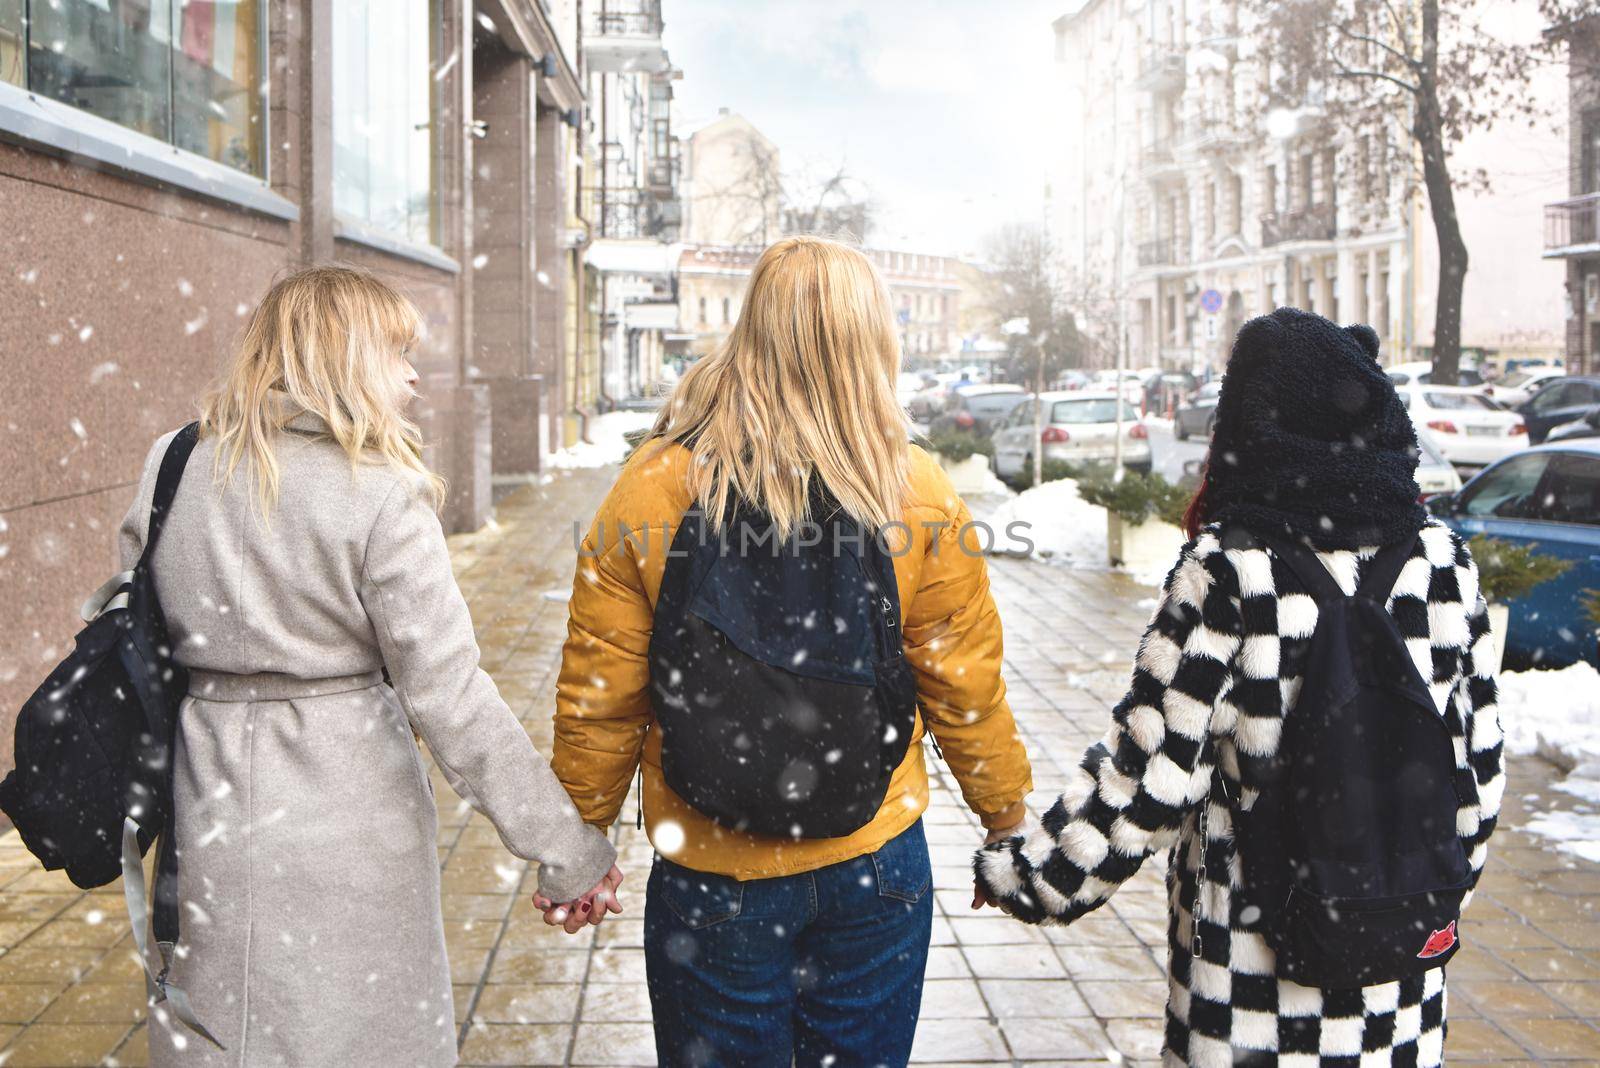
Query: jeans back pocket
(903, 867)
(699, 899)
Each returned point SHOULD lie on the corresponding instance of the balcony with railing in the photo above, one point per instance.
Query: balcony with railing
(621, 36)
(1315, 222)
(1164, 252)
(1572, 227)
(1157, 161)
(629, 212)
(1161, 69)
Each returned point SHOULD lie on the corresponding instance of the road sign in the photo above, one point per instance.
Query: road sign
(1211, 301)
(1211, 327)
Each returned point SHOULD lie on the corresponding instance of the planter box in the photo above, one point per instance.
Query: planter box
(1499, 620)
(1145, 547)
(969, 476)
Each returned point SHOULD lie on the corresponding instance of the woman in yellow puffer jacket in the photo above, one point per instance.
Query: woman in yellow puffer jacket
(778, 950)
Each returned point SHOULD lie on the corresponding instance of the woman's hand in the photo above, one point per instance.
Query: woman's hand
(592, 907)
(998, 834)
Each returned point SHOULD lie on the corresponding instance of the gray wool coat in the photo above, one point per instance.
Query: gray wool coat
(309, 876)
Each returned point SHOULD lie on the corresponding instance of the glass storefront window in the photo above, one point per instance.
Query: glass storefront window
(383, 85)
(188, 72)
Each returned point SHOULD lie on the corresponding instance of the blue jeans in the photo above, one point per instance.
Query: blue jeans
(824, 967)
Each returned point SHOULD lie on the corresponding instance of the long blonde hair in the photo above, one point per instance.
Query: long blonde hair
(330, 341)
(802, 389)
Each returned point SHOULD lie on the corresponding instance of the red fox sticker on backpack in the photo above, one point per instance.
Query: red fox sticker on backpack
(1439, 941)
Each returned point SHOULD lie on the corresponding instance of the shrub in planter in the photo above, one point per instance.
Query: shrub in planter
(634, 439)
(957, 445)
(1136, 498)
(1507, 571)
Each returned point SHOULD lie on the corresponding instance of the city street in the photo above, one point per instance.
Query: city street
(1525, 991)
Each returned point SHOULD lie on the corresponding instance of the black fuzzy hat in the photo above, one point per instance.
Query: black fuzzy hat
(1311, 438)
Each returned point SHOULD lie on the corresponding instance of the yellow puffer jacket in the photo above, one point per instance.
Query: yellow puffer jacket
(604, 725)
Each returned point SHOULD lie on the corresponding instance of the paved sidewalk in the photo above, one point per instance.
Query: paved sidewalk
(997, 992)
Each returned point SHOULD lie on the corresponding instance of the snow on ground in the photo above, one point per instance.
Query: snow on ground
(1556, 715)
(1061, 526)
(606, 445)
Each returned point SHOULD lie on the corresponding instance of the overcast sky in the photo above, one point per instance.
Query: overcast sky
(941, 107)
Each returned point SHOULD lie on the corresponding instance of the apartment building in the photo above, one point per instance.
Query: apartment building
(630, 205)
(1572, 226)
(1192, 213)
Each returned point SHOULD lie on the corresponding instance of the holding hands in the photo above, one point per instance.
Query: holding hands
(999, 834)
(592, 907)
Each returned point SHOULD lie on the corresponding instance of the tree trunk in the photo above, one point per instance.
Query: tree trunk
(1038, 422)
(1428, 130)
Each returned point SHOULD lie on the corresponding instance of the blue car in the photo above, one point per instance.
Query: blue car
(1549, 496)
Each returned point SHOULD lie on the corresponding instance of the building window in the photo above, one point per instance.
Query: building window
(1269, 189)
(383, 116)
(1590, 178)
(727, 311)
(1235, 204)
(187, 72)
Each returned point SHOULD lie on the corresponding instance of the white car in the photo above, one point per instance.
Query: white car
(1464, 426)
(1420, 372)
(1435, 474)
(1080, 427)
(1516, 388)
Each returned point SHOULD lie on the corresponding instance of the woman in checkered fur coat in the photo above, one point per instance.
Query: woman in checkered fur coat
(1311, 441)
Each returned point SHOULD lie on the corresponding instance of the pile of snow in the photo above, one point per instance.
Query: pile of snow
(1060, 524)
(606, 444)
(1556, 715)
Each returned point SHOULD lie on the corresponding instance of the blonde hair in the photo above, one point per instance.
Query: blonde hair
(330, 341)
(802, 389)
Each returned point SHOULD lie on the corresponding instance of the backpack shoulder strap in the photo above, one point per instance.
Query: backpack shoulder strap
(1384, 570)
(173, 462)
(1308, 568)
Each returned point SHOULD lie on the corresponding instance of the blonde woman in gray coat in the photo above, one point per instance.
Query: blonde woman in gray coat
(301, 560)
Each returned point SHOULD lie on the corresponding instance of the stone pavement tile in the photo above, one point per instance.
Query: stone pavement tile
(22, 1002)
(1518, 998)
(1574, 934)
(98, 1003)
(1138, 1039)
(1014, 962)
(1476, 962)
(1539, 965)
(1031, 998)
(539, 966)
(41, 964)
(958, 1040)
(1098, 930)
(1510, 934)
(614, 1044)
(63, 1045)
(1103, 962)
(1480, 1039)
(466, 965)
(1111, 1000)
(1552, 1040)
(1582, 998)
(993, 929)
(616, 1003)
(474, 906)
(516, 1044)
(952, 999)
(1055, 1039)
(527, 1003)
(944, 962)
(613, 965)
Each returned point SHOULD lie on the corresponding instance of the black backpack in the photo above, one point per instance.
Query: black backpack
(92, 787)
(777, 674)
(1353, 867)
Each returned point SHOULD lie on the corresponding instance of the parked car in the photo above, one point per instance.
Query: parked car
(1547, 496)
(1080, 427)
(1466, 427)
(1165, 390)
(1435, 474)
(1198, 413)
(977, 408)
(1421, 373)
(1518, 387)
(930, 400)
(1587, 427)
(1563, 400)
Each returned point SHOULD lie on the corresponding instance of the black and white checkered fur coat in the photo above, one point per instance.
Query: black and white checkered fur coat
(1217, 671)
